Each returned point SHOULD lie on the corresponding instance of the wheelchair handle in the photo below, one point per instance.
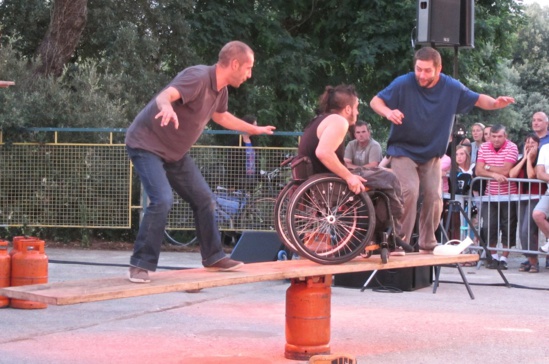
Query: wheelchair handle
(287, 161)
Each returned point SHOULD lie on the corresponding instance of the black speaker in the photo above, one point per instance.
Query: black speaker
(467, 24)
(438, 22)
(405, 279)
(257, 246)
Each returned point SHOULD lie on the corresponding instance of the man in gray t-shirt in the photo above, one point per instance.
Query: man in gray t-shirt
(363, 151)
(158, 143)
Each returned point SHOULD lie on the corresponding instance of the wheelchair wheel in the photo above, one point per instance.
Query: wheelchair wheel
(384, 255)
(328, 223)
(280, 213)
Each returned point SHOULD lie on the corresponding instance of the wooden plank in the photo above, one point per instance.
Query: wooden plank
(79, 291)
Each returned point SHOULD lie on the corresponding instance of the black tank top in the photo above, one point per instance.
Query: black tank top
(309, 143)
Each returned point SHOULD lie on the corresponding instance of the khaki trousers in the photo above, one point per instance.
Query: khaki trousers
(420, 180)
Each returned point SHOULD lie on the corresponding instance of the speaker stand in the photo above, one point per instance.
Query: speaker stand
(454, 207)
(368, 280)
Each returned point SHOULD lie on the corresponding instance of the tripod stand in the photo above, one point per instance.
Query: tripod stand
(454, 206)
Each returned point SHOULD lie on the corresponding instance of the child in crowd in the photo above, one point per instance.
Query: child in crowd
(477, 133)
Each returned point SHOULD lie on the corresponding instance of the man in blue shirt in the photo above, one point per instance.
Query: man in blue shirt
(422, 107)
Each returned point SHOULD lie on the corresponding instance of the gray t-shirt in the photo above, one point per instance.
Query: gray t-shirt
(361, 156)
(197, 86)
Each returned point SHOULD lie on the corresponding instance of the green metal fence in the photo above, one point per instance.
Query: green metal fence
(74, 177)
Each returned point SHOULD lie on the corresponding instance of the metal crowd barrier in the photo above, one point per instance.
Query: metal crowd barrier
(503, 220)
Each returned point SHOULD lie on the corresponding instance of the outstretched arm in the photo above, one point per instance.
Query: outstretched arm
(231, 122)
(489, 103)
(5, 84)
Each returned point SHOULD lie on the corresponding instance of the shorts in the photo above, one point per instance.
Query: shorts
(543, 205)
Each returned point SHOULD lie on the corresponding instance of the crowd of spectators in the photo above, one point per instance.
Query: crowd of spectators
(490, 152)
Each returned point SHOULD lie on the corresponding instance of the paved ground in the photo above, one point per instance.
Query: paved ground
(246, 323)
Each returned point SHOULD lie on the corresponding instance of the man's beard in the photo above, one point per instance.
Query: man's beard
(430, 82)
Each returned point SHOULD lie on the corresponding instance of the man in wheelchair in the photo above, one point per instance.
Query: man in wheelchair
(323, 142)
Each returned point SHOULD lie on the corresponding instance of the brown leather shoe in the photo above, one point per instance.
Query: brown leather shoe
(138, 275)
(225, 265)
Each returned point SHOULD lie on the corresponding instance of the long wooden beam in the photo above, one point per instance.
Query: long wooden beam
(90, 290)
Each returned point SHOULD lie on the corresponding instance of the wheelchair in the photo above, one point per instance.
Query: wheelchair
(319, 218)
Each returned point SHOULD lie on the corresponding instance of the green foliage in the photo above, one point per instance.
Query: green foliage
(301, 46)
(145, 42)
(531, 56)
(516, 63)
(29, 19)
(81, 97)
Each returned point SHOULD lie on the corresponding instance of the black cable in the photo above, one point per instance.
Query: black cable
(381, 288)
(499, 285)
(386, 289)
(108, 264)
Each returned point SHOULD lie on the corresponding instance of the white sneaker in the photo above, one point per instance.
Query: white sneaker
(545, 248)
(449, 249)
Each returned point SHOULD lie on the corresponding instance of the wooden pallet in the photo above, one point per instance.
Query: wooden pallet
(79, 291)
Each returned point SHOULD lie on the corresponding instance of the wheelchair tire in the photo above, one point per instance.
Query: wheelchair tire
(280, 213)
(384, 255)
(328, 223)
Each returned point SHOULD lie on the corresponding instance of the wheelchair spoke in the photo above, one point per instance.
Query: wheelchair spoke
(327, 222)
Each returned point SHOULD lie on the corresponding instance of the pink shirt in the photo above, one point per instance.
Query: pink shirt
(445, 165)
(507, 153)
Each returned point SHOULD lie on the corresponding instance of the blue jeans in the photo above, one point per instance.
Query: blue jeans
(158, 179)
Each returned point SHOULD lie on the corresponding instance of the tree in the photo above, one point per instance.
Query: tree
(531, 53)
(66, 26)
(301, 46)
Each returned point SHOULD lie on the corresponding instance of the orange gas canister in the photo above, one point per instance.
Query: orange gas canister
(29, 266)
(5, 269)
(308, 306)
(17, 243)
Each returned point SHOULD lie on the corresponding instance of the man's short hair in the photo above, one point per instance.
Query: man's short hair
(428, 54)
(496, 128)
(363, 123)
(235, 49)
(543, 115)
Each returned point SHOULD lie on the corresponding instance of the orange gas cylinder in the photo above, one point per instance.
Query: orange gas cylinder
(29, 266)
(5, 268)
(308, 317)
(17, 243)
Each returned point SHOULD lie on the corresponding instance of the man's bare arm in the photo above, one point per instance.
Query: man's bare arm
(486, 102)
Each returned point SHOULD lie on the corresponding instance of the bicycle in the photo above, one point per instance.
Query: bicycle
(248, 208)
(236, 210)
(273, 182)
